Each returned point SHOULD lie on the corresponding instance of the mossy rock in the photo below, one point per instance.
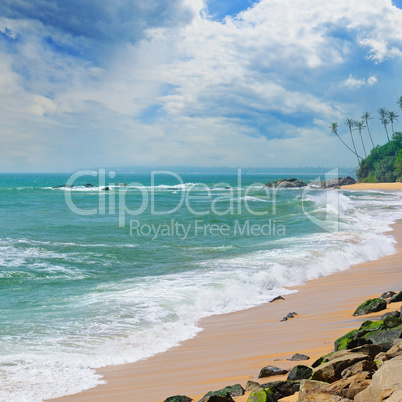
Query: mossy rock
(347, 341)
(230, 391)
(392, 322)
(385, 338)
(263, 395)
(299, 372)
(178, 398)
(370, 326)
(371, 306)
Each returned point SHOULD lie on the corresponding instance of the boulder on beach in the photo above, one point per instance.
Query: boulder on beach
(371, 306)
(383, 333)
(300, 372)
(387, 295)
(228, 392)
(276, 299)
(332, 370)
(386, 383)
(178, 398)
(287, 183)
(270, 371)
(298, 357)
(396, 298)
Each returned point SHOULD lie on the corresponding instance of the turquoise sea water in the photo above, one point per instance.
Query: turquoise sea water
(92, 277)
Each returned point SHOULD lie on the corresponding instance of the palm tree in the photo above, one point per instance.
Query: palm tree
(399, 102)
(384, 119)
(350, 123)
(392, 116)
(334, 129)
(359, 126)
(366, 117)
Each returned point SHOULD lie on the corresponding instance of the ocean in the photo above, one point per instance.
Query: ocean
(122, 266)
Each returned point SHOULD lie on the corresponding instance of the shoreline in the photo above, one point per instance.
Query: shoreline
(233, 347)
(373, 186)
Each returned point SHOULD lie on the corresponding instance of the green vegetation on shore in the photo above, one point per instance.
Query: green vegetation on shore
(383, 163)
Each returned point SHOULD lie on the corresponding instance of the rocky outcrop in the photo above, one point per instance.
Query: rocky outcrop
(287, 183)
(332, 370)
(341, 181)
(270, 371)
(386, 383)
(371, 306)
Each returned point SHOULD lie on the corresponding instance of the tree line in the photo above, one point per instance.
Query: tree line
(383, 163)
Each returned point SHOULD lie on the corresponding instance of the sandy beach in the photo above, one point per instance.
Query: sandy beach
(233, 348)
(374, 186)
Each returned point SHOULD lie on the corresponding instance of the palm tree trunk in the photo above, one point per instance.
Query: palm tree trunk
(386, 130)
(368, 128)
(364, 148)
(354, 146)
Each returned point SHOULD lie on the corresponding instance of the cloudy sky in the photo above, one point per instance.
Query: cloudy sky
(192, 82)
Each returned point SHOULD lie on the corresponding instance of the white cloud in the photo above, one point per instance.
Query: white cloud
(353, 82)
(231, 92)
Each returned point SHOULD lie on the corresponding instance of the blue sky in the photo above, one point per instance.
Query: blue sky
(192, 82)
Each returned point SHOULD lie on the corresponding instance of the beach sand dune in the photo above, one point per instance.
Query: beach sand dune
(233, 348)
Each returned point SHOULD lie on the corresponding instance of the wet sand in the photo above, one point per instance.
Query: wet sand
(233, 348)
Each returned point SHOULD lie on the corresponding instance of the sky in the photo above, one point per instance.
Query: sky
(193, 82)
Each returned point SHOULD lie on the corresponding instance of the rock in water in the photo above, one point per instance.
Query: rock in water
(270, 371)
(371, 306)
(341, 181)
(287, 183)
(276, 299)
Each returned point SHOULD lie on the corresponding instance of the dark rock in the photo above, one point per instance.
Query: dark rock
(106, 189)
(396, 298)
(392, 322)
(385, 338)
(178, 398)
(279, 389)
(369, 350)
(252, 386)
(277, 298)
(341, 181)
(89, 185)
(270, 371)
(290, 315)
(284, 319)
(299, 372)
(371, 306)
(391, 314)
(287, 183)
(318, 362)
(217, 398)
(331, 371)
(230, 391)
(298, 357)
(387, 295)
